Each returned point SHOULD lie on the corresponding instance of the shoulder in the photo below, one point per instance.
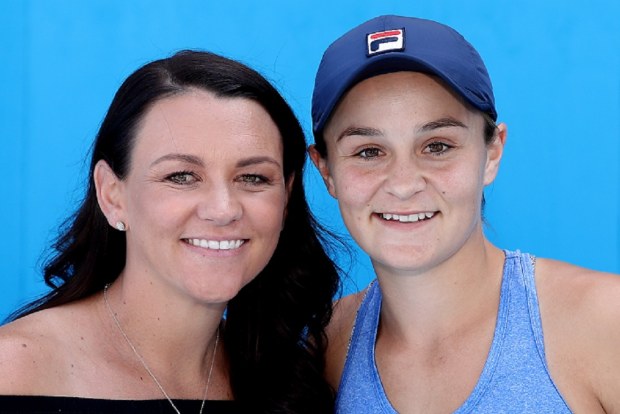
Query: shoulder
(580, 310)
(577, 290)
(24, 352)
(34, 349)
(339, 333)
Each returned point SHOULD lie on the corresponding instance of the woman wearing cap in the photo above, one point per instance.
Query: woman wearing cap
(406, 140)
(195, 207)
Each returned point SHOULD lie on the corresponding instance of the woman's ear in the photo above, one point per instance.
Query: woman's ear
(495, 150)
(321, 164)
(109, 193)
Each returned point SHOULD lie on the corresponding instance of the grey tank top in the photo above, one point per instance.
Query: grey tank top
(515, 377)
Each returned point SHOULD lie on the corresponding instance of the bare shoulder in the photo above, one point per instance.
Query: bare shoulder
(38, 352)
(578, 290)
(580, 312)
(25, 352)
(339, 332)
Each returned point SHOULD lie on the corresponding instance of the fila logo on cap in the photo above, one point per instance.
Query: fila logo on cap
(386, 41)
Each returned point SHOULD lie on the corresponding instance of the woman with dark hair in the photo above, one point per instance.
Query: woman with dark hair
(193, 277)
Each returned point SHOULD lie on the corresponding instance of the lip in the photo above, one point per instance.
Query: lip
(221, 244)
(406, 218)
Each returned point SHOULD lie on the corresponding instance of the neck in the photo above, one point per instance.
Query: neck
(436, 302)
(173, 336)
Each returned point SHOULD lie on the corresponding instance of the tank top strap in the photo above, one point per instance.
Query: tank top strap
(515, 374)
(526, 264)
(361, 390)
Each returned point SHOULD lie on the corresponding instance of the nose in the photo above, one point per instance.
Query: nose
(405, 178)
(219, 204)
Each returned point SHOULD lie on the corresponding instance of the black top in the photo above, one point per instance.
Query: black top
(29, 404)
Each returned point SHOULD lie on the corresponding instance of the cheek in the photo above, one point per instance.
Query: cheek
(267, 215)
(463, 186)
(355, 186)
(147, 204)
(140, 204)
(153, 212)
(355, 190)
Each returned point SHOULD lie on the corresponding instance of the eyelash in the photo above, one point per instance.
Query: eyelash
(428, 149)
(180, 178)
(363, 154)
(175, 177)
(444, 148)
(255, 179)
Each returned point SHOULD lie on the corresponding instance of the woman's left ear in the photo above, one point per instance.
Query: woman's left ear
(109, 193)
(495, 150)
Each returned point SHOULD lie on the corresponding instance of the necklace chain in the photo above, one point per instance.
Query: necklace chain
(143, 362)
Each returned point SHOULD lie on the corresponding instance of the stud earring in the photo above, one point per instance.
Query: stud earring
(120, 226)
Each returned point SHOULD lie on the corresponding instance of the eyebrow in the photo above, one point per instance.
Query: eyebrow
(429, 126)
(442, 123)
(362, 131)
(257, 160)
(192, 159)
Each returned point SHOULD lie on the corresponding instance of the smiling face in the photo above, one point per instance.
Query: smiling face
(408, 163)
(205, 196)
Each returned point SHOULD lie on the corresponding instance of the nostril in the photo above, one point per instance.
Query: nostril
(405, 183)
(220, 209)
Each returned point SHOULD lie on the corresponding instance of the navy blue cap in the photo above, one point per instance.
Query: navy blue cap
(389, 44)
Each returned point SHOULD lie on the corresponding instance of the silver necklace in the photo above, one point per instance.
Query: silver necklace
(143, 362)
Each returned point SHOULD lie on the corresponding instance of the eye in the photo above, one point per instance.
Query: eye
(254, 179)
(182, 178)
(437, 148)
(368, 153)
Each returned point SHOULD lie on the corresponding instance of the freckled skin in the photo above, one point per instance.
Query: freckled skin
(408, 174)
(402, 143)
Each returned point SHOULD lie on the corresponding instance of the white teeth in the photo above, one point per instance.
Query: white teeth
(410, 218)
(215, 244)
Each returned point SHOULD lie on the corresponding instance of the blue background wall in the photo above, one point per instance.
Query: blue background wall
(555, 66)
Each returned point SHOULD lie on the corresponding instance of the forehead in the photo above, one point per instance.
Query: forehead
(200, 123)
(415, 96)
(405, 84)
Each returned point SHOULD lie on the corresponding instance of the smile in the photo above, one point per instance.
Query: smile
(408, 218)
(216, 244)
